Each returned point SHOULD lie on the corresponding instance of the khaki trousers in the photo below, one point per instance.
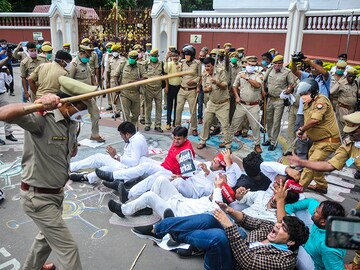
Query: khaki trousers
(189, 96)
(274, 113)
(46, 212)
(221, 112)
(94, 117)
(239, 116)
(291, 125)
(340, 112)
(131, 102)
(319, 151)
(150, 95)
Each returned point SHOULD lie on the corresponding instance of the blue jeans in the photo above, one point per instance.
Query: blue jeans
(200, 102)
(204, 232)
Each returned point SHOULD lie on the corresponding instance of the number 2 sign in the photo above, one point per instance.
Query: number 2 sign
(195, 38)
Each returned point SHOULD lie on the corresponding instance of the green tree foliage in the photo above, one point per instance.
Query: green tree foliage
(5, 6)
(192, 5)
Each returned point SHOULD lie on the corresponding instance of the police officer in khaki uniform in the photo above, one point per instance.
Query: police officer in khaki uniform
(347, 90)
(19, 55)
(127, 72)
(277, 79)
(227, 47)
(249, 84)
(148, 48)
(216, 84)
(93, 62)
(50, 140)
(188, 87)
(66, 48)
(28, 65)
(319, 126)
(112, 64)
(80, 71)
(45, 78)
(153, 91)
(335, 78)
(347, 154)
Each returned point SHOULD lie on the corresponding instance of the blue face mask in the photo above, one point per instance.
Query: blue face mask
(84, 60)
(48, 56)
(340, 72)
(264, 63)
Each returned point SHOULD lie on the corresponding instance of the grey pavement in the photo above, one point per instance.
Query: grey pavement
(105, 241)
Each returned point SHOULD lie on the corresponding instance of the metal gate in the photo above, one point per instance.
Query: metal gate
(128, 28)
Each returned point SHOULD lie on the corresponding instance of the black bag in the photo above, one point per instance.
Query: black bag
(286, 102)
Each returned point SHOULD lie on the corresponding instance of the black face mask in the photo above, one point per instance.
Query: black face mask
(201, 59)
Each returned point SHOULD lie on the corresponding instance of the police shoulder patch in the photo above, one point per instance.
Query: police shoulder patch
(319, 106)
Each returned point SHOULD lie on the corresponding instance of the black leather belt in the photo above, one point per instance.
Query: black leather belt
(26, 187)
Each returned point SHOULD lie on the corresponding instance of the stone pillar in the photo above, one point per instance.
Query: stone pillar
(63, 24)
(294, 35)
(165, 20)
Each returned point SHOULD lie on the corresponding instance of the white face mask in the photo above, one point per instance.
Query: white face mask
(115, 54)
(250, 69)
(67, 67)
(357, 144)
(4, 45)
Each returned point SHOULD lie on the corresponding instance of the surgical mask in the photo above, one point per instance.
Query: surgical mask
(67, 67)
(3, 45)
(240, 55)
(132, 61)
(68, 51)
(234, 60)
(38, 46)
(84, 60)
(273, 55)
(201, 59)
(340, 72)
(115, 54)
(153, 59)
(243, 69)
(33, 54)
(108, 50)
(250, 69)
(264, 63)
(357, 144)
(148, 51)
(48, 56)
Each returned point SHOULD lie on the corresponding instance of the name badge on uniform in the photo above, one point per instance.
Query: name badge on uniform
(350, 161)
(59, 138)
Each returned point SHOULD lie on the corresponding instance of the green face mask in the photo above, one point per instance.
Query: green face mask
(339, 72)
(84, 60)
(132, 61)
(68, 51)
(108, 50)
(234, 60)
(148, 51)
(153, 59)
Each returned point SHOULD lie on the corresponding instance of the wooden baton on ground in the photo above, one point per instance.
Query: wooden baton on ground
(36, 107)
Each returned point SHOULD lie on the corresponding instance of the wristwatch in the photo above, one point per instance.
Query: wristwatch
(247, 78)
(117, 157)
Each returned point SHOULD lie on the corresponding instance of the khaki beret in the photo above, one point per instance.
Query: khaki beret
(85, 48)
(73, 87)
(109, 44)
(133, 53)
(154, 52)
(252, 60)
(240, 49)
(352, 122)
(137, 46)
(278, 58)
(66, 45)
(148, 44)
(115, 47)
(234, 54)
(46, 48)
(221, 52)
(214, 51)
(85, 40)
(352, 71)
(172, 47)
(341, 64)
(272, 49)
(46, 43)
(227, 44)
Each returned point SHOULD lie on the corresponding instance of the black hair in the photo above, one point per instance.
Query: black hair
(330, 208)
(127, 127)
(318, 62)
(209, 60)
(252, 163)
(3, 40)
(297, 230)
(291, 197)
(180, 131)
(63, 55)
(268, 56)
(175, 52)
(31, 45)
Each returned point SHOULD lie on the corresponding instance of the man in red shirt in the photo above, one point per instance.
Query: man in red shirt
(170, 166)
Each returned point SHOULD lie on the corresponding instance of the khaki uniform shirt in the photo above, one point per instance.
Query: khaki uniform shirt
(233, 72)
(216, 95)
(28, 65)
(80, 71)
(321, 109)
(343, 153)
(112, 65)
(19, 55)
(93, 62)
(247, 92)
(153, 70)
(48, 145)
(46, 77)
(195, 67)
(126, 73)
(347, 93)
(278, 81)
